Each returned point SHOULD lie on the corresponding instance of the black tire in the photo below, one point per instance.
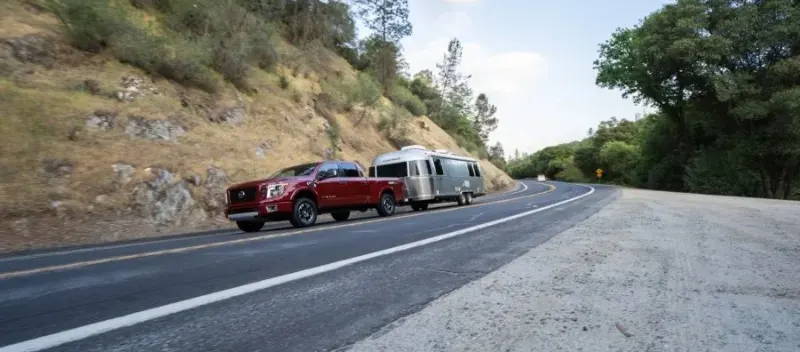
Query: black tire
(250, 226)
(386, 205)
(468, 197)
(419, 206)
(462, 199)
(341, 215)
(304, 213)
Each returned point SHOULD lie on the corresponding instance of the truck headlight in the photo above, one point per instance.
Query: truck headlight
(276, 190)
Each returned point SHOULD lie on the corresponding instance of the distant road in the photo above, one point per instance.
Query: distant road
(282, 289)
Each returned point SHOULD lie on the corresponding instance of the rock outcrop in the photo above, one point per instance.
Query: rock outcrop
(164, 130)
(165, 202)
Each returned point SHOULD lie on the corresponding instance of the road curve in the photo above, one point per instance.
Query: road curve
(321, 288)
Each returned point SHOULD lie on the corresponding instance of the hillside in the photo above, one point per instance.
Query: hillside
(95, 150)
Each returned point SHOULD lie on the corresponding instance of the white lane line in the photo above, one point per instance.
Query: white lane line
(524, 188)
(80, 333)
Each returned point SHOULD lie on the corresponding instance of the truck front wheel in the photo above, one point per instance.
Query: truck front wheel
(386, 205)
(305, 212)
(250, 226)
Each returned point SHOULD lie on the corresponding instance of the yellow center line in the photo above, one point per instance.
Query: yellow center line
(59, 267)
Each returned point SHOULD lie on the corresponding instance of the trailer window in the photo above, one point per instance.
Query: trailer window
(393, 170)
(457, 168)
(439, 168)
(477, 169)
(471, 171)
(428, 166)
(419, 168)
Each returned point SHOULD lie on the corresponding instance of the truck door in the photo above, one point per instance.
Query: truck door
(330, 186)
(355, 187)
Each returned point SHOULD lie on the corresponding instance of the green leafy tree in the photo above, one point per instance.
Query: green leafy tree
(725, 75)
(620, 160)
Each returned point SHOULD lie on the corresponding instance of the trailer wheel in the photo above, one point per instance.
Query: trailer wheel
(387, 205)
(304, 213)
(250, 226)
(462, 199)
(468, 197)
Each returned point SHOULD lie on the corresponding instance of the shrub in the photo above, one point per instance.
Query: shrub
(400, 95)
(620, 160)
(90, 24)
(344, 94)
(283, 82)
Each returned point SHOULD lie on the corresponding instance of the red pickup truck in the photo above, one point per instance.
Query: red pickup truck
(301, 192)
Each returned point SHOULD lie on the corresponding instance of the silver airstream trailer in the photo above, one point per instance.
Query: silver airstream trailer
(431, 176)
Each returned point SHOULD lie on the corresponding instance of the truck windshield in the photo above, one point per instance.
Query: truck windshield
(299, 170)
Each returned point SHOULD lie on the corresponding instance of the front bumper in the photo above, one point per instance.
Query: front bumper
(264, 211)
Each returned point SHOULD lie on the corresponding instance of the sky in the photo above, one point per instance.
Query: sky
(533, 58)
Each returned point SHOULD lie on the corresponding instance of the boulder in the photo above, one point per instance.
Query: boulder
(262, 149)
(122, 173)
(133, 87)
(232, 116)
(215, 185)
(33, 48)
(101, 120)
(165, 202)
(154, 129)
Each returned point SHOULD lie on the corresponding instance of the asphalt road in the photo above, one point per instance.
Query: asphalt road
(316, 289)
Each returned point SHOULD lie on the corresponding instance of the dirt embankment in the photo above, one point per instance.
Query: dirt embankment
(653, 271)
(94, 150)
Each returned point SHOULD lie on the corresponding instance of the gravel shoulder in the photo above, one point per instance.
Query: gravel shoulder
(653, 271)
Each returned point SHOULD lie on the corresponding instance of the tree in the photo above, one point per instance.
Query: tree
(484, 120)
(382, 58)
(619, 161)
(422, 86)
(497, 156)
(725, 75)
(388, 19)
(453, 85)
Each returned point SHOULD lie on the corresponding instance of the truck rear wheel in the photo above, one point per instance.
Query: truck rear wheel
(468, 198)
(341, 215)
(386, 205)
(250, 226)
(304, 213)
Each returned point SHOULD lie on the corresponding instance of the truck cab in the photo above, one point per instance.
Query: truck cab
(302, 192)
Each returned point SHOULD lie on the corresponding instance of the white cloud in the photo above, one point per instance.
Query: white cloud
(506, 73)
(452, 23)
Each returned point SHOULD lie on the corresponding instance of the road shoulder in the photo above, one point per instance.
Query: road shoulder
(651, 271)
